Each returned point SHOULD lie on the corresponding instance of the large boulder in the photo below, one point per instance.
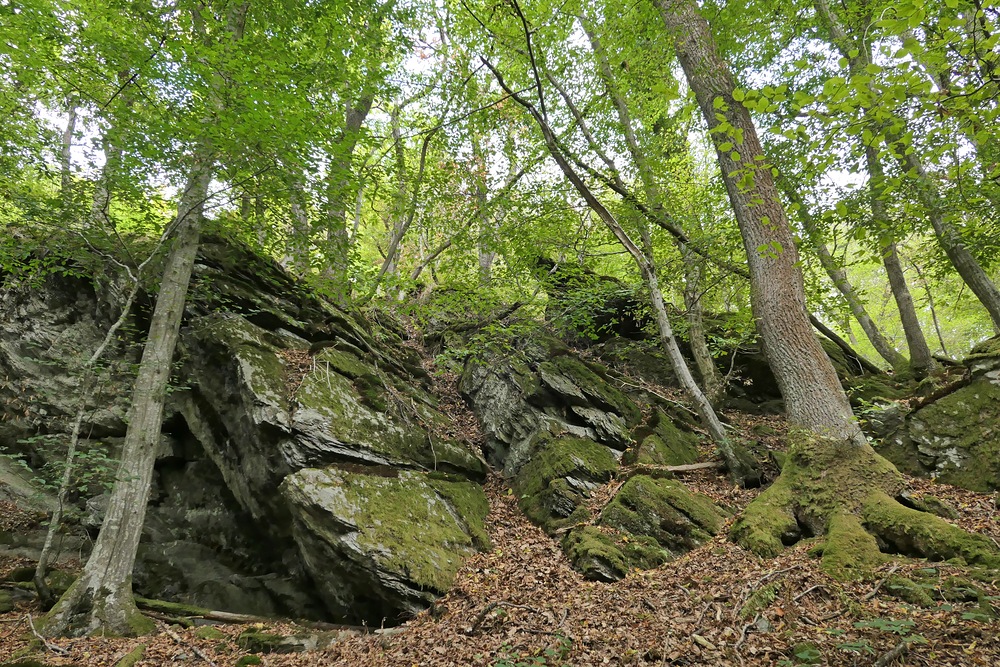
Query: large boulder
(274, 387)
(386, 541)
(956, 438)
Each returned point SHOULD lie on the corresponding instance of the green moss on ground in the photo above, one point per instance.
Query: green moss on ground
(845, 493)
(208, 632)
(664, 510)
(666, 444)
(132, 657)
(256, 641)
(760, 600)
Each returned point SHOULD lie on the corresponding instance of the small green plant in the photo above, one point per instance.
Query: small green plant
(551, 656)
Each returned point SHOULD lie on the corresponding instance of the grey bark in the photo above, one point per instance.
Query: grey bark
(66, 160)
(928, 191)
(711, 378)
(858, 56)
(814, 399)
(101, 599)
(739, 467)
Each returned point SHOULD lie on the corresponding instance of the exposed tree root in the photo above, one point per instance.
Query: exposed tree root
(846, 495)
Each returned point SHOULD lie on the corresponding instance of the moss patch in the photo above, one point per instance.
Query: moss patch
(910, 532)
(417, 527)
(595, 554)
(850, 552)
(556, 479)
(664, 510)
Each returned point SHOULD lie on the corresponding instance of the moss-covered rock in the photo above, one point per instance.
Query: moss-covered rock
(594, 554)
(663, 440)
(664, 510)
(955, 439)
(559, 476)
(383, 545)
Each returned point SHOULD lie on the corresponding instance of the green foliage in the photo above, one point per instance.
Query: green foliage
(554, 655)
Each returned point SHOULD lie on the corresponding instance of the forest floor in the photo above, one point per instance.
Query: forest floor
(520, 604)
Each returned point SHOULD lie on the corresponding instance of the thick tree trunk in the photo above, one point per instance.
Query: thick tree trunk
(101, 600)
(814, 399)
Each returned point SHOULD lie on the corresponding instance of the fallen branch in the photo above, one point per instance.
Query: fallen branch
(46, 643)
(875, 590)
(891, 655)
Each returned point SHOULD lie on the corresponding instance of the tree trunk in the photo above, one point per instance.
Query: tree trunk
(928, 193)
(340, 195)
(711, 378)
(814, 399)
(101, 600)
(832, 483)
(742, 468)
(858, 57)
(66, 161)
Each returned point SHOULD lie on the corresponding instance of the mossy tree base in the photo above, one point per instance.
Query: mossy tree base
(83, 611)
(846, 495)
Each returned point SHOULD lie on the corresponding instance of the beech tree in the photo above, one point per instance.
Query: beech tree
(833, 483)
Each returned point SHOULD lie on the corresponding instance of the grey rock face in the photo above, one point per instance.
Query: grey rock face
(272, 384)
(956, 439)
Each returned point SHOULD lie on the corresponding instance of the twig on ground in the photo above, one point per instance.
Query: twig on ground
(881, 581)
(806, 592)
(194, 649)
(46, 643)
(892, 654)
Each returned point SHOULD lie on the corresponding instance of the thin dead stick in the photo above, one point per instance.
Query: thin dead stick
(891, 655)
(875, 590)
(194, 649)
(743, 633)
(806, 592)
(46, 643)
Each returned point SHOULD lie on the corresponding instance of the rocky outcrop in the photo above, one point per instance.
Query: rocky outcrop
(290, 426)
(560, 427)
(956, 438)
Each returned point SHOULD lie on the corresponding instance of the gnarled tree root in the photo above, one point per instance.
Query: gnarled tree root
(846, 494)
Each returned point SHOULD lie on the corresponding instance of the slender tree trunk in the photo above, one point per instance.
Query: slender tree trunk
(928, 191)
(741, 469)
(298, 249)
(340, 195)
(813, 396)
(101, 600)
(859, 57)
(66, 161)
(930, 304)
(710, 376)
(838, 276)
(921, 362)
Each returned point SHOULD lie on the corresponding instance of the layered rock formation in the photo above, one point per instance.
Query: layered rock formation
(292, 430)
